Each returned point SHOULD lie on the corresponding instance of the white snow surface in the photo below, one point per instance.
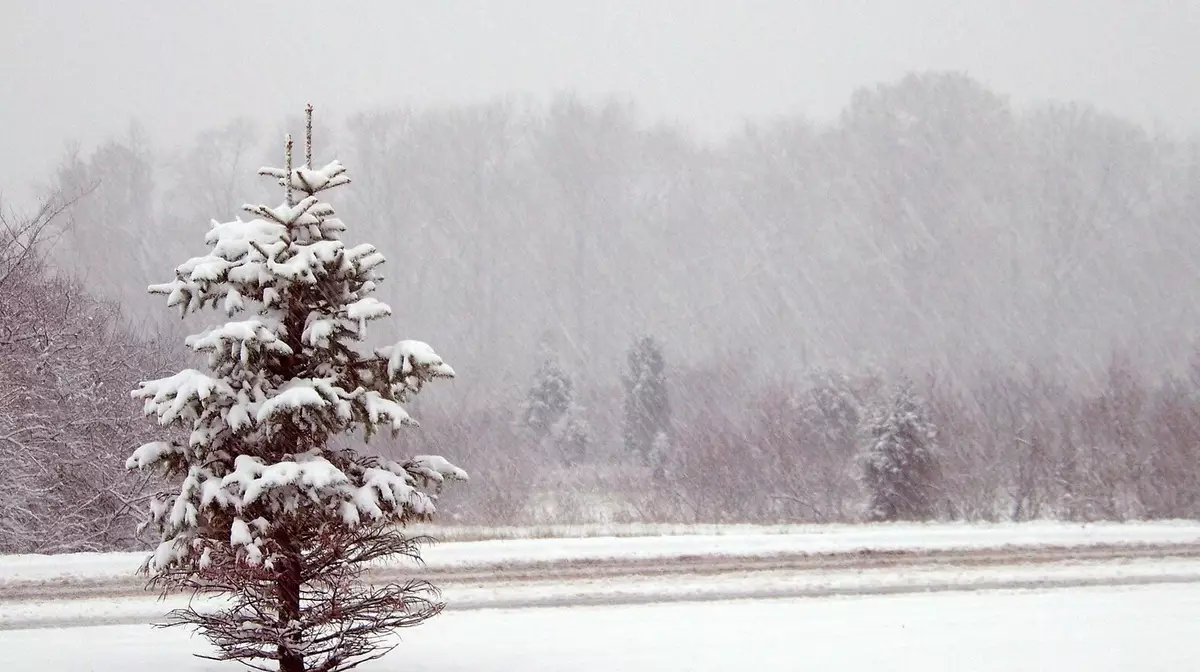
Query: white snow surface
(408, 355)
(845, 621)
(148, 608)
(805, 539)
(1093, 629)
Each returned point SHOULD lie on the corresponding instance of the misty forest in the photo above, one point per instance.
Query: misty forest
(938, 305)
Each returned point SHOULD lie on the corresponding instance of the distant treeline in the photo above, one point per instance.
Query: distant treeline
(1029, 268)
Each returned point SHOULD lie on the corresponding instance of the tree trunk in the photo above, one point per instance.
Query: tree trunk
(290, 660)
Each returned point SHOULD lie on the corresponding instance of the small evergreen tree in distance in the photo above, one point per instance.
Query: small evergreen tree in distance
(552, 416)
(899, 466)
(550, 397)
(647, 405)
(574, 436)
(265, 510)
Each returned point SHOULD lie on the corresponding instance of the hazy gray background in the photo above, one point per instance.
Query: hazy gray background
(799, 201)
(80, 69)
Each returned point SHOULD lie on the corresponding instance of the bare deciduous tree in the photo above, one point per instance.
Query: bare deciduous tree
(65, 361)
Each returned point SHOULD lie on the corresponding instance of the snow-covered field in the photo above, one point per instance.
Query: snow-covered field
(1095, 629)
(924, 597)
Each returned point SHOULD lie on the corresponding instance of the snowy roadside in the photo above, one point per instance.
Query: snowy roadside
(686, 587)
(733, 541)
(457, 533)
(89, 589)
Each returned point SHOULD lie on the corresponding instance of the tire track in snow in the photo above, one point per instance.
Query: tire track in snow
(567, 571)
(154, 612)
(562, 571)
(825, 591)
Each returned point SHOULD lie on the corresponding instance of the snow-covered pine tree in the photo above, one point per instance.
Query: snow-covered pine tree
(549, 398)
(647, 406)
(899, 466)
(551, 414)
(832, 408)
(574, 436)
(268, 512)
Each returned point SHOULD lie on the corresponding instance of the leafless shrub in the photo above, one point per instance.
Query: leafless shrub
(65, 365)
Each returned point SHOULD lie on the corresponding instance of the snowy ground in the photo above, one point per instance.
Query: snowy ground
(450, 532)
(929, 597)
(704, 584)
(1094, 629)
(731, 541)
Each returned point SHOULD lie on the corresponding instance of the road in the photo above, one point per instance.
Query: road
(612, 581)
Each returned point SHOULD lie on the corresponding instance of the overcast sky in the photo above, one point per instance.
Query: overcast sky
(81, 69)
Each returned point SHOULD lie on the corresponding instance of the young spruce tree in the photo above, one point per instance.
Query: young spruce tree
(266, 511)
(552, 416)
(899, 463)
(647, 406)
(550, 397)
